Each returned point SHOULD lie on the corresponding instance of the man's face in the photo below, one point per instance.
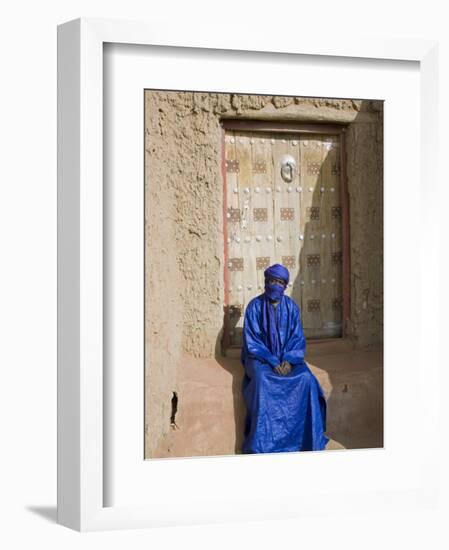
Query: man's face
(275, 281)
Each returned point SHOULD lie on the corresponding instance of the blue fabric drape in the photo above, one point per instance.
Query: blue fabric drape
(269, 324)
(284, 413)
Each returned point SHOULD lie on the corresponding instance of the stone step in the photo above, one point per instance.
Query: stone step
(329, 346)
(315, 348)
(211, 411)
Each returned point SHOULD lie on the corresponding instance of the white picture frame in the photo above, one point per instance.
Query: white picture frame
(82, 491)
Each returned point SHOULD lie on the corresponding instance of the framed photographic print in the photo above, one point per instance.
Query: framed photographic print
(232, 288)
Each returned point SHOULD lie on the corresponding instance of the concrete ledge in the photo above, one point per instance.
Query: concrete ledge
(211, 411)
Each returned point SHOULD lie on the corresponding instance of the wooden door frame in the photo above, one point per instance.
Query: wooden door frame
(289, 127)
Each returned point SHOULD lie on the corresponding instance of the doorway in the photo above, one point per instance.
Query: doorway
(286, 201)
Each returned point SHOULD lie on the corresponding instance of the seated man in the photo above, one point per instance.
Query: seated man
(286, 407)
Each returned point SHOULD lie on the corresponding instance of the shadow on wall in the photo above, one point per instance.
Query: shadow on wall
(235, 369)
(352, 379)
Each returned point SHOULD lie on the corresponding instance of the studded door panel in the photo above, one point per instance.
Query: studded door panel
(283, 206)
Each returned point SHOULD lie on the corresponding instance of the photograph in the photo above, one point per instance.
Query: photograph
(263, 275)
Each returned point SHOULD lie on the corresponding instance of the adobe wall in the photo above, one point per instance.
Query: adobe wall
(184, 226)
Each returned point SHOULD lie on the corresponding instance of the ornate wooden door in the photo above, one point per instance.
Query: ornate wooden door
(283, 205)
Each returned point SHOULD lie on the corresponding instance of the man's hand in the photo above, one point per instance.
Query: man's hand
(283, 369)
(287, 367)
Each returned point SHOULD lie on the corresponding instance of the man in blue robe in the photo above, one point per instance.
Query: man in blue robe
(286, 407)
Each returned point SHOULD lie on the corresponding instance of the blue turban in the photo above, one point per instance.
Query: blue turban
(277, 271)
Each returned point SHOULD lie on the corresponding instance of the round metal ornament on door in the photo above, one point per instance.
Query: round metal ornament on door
(288, 168)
